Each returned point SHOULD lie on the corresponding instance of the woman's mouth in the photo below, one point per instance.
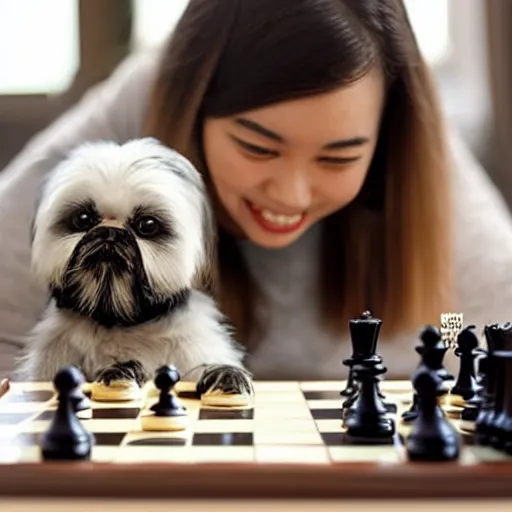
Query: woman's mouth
(276, 222)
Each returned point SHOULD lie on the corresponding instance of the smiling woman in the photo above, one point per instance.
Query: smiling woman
(320, 135)
(280, 169)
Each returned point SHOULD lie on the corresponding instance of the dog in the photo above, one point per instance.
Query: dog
(122, 238)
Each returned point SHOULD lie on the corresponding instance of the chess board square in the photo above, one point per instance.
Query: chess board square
(187, 395)
(270, 437)
(276, 386)
(158, 441)
(226, 414)
(143, 454)
(14, 418)
(323, 395)
(40, 395)
(104, 413)
(101, 438)
(223, 438)
(343, 439)
(285, 425)
(269, 412)
(335, 386)
(216, 426)
(326, 414)
(285, 397)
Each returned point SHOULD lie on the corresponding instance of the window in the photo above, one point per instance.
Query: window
(39, 48)
(430, 20)
(154, 19)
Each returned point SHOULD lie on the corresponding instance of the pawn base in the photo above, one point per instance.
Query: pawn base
(432, 450)
(370, 427)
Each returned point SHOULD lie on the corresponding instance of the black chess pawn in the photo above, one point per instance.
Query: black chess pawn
(368, 416)
(364, 332)
(66, 438)
(432, 351)
(168, 404)
(432, 437)
(81, 403)
(466, 385)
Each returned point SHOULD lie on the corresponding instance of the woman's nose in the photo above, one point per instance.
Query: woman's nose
(292, 191)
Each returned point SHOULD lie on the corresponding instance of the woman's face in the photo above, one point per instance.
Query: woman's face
(279, 169)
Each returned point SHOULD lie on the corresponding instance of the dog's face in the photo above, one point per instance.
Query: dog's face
(121, 230)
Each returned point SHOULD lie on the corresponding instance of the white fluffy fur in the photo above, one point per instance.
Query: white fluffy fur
(118, 178)
(188, 339)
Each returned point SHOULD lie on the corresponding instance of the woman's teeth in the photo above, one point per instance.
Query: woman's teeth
(282, 220)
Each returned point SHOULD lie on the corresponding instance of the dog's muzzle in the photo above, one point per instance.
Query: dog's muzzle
(107, 244)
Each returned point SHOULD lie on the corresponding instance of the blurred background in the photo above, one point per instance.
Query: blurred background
(51, 51)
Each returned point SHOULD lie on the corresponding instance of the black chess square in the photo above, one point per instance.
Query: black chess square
(114, 413)
(223, 439)
(226, 414)
(100, 438)
(326, 414)
(323, 395)
(343, 439)
(188, 395)
(159, 441)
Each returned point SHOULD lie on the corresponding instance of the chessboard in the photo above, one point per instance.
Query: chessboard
(288, 442)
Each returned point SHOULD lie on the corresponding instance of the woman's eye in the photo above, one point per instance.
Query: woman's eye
(333, 160)
(255, 149)
(147, 227)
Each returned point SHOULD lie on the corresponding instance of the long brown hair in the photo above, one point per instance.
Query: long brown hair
(389, 250)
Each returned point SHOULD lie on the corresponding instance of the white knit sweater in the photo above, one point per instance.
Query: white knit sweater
(296, 346)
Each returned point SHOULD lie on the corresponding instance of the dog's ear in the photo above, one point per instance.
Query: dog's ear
(206, 278)
(37, 203)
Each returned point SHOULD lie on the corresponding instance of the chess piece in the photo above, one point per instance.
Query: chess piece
(432, 351)
(367, 416)
(432, 437)
(466, 385)
(364, 332)
(66, 438)
(499, 428)
(501, 432)
(80, 403)
(493, 334)
(167, 414)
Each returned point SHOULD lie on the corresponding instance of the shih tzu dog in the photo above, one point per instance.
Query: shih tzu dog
(122, 237)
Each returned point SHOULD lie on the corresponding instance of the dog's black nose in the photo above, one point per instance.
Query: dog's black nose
(110, 234)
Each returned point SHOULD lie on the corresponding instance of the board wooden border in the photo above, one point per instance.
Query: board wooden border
(249, 481)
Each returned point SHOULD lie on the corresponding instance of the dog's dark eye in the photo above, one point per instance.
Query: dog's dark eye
(83, 220)
(147, 227)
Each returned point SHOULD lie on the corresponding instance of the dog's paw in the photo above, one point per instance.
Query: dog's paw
(225, 385)
(126, 371)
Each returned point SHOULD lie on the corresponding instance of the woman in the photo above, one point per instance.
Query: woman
(317, 128)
